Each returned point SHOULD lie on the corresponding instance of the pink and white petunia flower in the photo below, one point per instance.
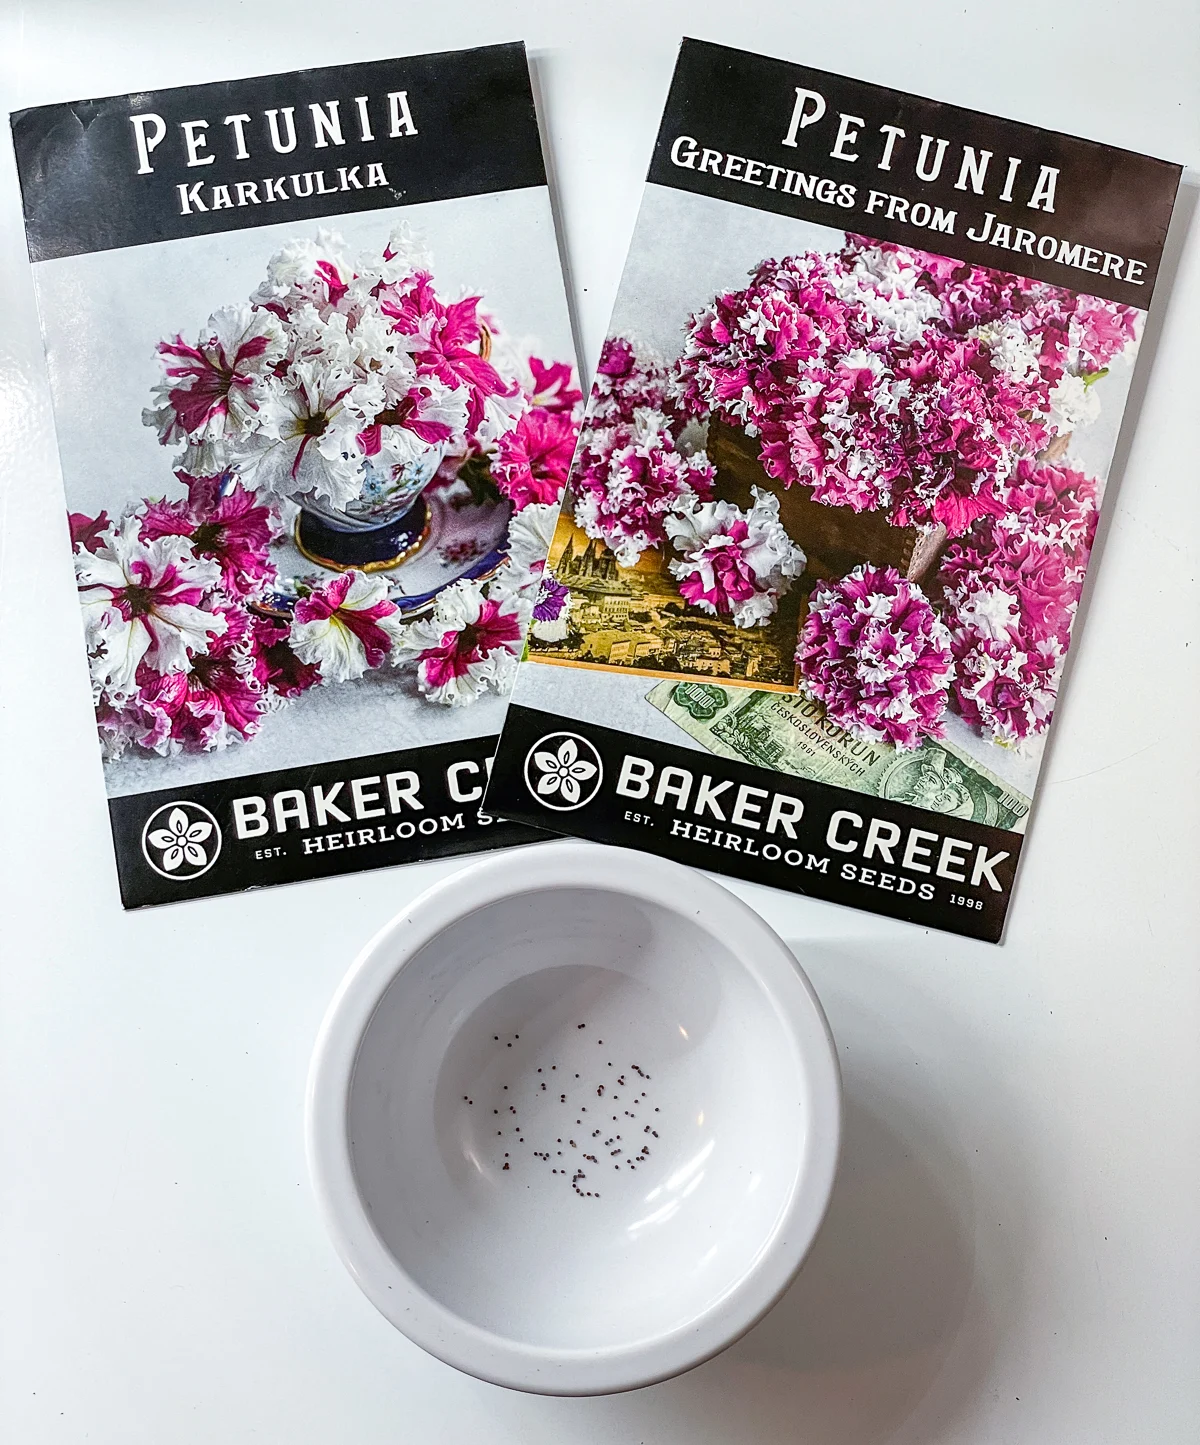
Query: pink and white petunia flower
(276, 665)
(533, 459)
(470, 644)
(630, 479)
(231, 526)
(346, 627)
(734, 564)
(530, 534)
(553, 387)
(209, 395)
(873, 650)
(421, 419)
(315, 273)
(219, 700)
(88, 532)
(309, 422)
(1004, 690)
(142, 602)
(446, 343)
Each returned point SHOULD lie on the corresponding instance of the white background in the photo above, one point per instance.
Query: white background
(1012, 1251)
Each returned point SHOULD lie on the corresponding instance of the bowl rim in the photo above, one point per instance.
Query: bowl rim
(424, 1319)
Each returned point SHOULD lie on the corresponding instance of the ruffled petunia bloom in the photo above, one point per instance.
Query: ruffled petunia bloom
(626, 381)
(530, 533)
(630, 479)
(445, 340)
(896, 381)
(1001, 689)
(532, 460)
(143, 602)
(307, 273)
(219, 700)
(88, 532)
(553, 386)
(346, 627)
(228, 524)
(873, 650)
(210, 392)
(308, 430)
(276, 665)
(469, 644)
(734, 563)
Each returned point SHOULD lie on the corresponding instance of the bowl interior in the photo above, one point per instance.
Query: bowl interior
(576, 1119)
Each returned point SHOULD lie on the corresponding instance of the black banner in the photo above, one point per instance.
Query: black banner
(308, 822)
(159, 165)
(856, 157)
(711, 812)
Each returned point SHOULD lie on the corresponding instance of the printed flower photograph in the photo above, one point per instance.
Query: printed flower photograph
(357, 465)
(862, 473)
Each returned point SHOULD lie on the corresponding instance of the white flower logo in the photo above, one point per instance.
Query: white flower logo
(181, 840)
(563, 771)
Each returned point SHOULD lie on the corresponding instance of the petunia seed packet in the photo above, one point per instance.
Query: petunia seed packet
(816, 571)
(316, 400)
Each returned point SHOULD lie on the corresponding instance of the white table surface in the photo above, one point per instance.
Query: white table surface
(1012, 1251)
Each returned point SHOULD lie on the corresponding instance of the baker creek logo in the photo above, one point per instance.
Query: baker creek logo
(563, 771)
(181, 840)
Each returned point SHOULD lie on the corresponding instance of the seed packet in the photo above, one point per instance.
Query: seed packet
(315, 397)
(817, 568)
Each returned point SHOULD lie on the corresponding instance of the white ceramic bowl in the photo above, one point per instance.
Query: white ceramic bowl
(573, 1119)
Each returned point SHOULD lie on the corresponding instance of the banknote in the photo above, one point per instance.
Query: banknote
(791, 734)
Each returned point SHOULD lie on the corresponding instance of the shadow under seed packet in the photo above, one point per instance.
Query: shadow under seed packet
(316, 400)
(813, 583)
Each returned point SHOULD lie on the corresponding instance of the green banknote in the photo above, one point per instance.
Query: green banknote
(791, 734)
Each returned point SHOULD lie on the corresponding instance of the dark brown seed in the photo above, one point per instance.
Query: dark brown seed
(506, 1166)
